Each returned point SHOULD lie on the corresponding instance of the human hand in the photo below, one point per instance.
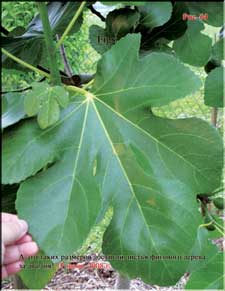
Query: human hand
(15, 242)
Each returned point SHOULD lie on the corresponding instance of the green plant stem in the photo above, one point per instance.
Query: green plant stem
(70, 25)
(25, 64)
(50, 45)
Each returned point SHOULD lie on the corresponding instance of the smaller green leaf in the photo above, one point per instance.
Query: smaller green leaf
(155, 13)
(39, 267)
(61, 95)
(44, 100)
(193, 47)
(174, 28)
(217, 50)
(99, 39)
(214, 88)
(213, 9)
(31, 103)
(12, 108)
(49, 112)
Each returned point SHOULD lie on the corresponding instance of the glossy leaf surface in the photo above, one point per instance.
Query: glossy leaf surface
(193, 47)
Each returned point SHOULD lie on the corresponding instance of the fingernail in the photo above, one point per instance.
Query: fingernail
(23, 224)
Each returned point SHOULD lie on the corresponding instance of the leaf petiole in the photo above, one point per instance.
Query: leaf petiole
(82, 91)
(50, 45)
(70, 25)
(25, 64)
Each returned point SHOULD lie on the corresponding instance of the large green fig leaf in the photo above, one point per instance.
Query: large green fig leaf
(144, 169)
(155, 13)
(122, 77)
(213, 9)
(139, 164)
(13, 110)
(214, 83)
(30, 45)
(193, 47)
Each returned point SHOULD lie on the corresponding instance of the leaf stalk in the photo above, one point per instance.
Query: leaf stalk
(70, 25)
(25, 64)
(50, 45)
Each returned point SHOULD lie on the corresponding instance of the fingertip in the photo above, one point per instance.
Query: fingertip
(33, 248)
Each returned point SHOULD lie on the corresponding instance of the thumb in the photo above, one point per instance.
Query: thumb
(13, 230)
